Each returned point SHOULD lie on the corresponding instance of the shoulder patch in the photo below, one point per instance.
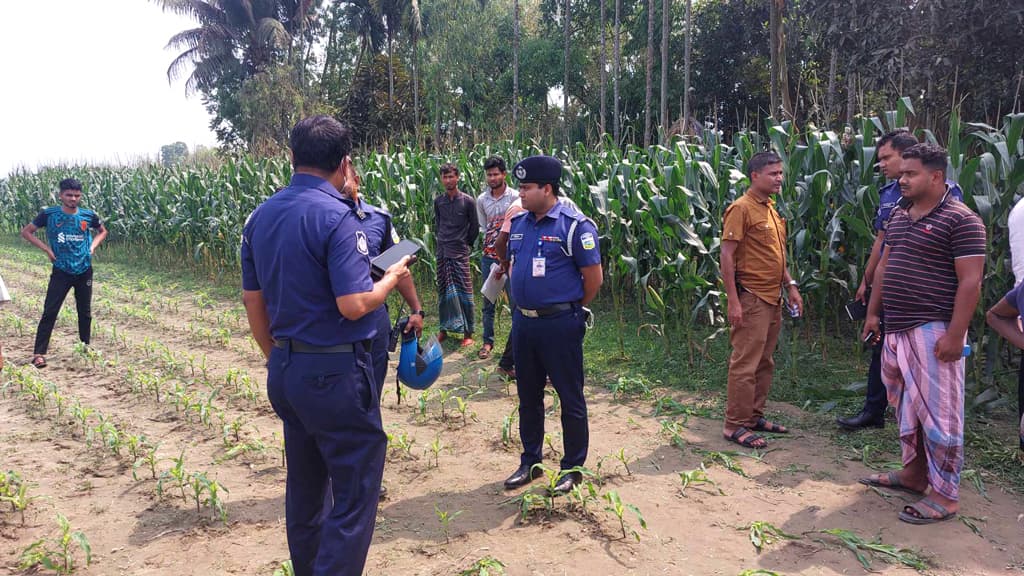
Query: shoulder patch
(587, 239)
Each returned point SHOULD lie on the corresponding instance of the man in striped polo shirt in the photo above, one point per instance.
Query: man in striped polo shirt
(930, 282)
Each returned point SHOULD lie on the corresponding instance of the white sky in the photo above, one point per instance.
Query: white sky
(87, 81)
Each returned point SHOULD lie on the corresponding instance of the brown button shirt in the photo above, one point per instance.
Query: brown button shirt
(761, 253)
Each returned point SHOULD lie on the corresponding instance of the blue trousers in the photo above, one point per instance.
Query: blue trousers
(551, 347)
(334, 440)
(379, 351)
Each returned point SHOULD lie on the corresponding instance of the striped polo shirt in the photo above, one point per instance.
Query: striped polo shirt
(920, 275)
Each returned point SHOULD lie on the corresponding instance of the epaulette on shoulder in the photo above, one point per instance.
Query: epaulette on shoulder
(523, 213)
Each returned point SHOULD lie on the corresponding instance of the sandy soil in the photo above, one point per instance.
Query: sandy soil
(806, 483)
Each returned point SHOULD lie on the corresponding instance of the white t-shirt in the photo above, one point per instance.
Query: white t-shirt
(1015, 222)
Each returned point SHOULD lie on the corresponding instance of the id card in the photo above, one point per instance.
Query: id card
(538, 267)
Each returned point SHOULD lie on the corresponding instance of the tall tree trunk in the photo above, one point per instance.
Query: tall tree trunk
(616, 124)
(649, 73)
(416, 83)
(780, 100)
(666, 25)
(686, 66)
(830, 96)
(391, 67)
(565, 78)
(604, 71)
(851, 94)
(515, 66)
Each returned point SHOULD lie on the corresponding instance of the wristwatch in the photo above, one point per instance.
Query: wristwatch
(420, 313)
(793, 283)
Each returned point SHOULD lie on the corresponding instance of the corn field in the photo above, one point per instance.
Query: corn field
(658, 209)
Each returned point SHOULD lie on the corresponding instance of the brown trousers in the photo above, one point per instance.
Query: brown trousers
(751, 364)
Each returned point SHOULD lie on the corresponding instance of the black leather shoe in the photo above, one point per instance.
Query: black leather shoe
(568, 481)
(862, 420)
(523, 476)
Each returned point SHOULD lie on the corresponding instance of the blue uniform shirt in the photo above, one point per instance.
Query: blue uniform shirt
(380, 235)
(69, 236)
(557, 279)
(890, 195)
(303, 248)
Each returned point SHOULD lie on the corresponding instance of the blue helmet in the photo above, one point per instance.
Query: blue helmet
(418, 366)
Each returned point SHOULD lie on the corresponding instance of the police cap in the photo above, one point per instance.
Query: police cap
(538, 170)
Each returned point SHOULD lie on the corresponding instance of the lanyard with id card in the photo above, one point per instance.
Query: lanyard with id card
(539, 263)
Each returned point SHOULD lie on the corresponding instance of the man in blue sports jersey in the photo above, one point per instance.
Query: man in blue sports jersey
(69, 245)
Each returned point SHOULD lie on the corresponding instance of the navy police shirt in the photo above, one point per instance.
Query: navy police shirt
(889, 195)
(380, 235)
(304, 247)
(543, 273)
(69, 236)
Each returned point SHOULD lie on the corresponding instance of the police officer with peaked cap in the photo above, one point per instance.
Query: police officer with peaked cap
(306, 285)
(555, 272)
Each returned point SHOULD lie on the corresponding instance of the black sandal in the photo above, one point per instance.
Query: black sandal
(763, 426)
(39, 362)
(749, 442)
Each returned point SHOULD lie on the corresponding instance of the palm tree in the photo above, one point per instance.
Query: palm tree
(233, 36)
(515, 66)
(666, 24)
(604, 70)
(565, 81)
(686, 66)
(618, 70)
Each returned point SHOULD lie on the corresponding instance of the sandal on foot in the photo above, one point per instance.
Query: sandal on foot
(764, 425)
(919, 512)
(751, 440)
(485, 351)
(892, 482)
(39, 362)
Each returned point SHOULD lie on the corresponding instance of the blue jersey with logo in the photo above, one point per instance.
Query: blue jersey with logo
(69, 236)
(303, 248)
(889, 196)
(545, 271)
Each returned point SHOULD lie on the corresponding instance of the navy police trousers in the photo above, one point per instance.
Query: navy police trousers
(330, 406)
(551, 347)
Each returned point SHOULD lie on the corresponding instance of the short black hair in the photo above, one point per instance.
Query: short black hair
(495, 162)
(759, 161)
(900, 139)
(70, 184)
(449, 167)
(320, 142)
(932, 156)
(555, 188)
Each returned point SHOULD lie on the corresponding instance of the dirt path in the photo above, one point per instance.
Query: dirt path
(803, 485)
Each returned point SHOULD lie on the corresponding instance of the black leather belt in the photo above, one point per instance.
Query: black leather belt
(303, 348)
(547, 311)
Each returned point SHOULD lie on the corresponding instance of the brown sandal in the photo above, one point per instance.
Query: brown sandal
(751, 440)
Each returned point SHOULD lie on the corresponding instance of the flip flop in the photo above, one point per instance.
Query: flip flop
(485, 352)
(894, 483)
(749, 442)
(39, 362)
(763, 426)
(916, 513)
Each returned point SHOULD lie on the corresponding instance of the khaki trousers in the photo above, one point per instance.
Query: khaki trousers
(751, 364)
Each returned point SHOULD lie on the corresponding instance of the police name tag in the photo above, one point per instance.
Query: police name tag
(538, 267)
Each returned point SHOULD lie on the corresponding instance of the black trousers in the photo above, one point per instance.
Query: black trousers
(60, 284)
(875, 401)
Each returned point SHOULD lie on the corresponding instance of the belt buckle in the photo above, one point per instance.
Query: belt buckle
(529, 313)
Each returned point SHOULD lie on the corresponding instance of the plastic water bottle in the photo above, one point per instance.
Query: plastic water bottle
(967, 350)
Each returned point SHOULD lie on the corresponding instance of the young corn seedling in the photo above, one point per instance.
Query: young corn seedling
(509, 432)
(14, 491)
(285, 569)
(446, 517)
(435, 448)
(758, 572)
(697, 477)
(421, 406)
(486, 566)
(176, 474)
(617, 507)
(197, 482)
(400, 445)
(556, 402)
(148, 459)
(462, 407)
(672, 430)
(549, 441)
(864, 550)
(762, 534)
(583, 494)
(58, 554)
(724, 458)
(621, 457)
(214, 500)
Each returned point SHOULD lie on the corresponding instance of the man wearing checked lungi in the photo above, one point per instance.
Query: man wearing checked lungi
(931, 271)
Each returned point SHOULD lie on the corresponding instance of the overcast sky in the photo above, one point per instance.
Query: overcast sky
(87, 81)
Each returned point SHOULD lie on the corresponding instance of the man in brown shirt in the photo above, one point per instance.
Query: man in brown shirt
(753, 267)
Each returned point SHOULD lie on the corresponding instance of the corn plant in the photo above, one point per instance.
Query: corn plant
(486, 566)
(56, 554)
(175, 474)
(697, 477)
(435, 448)
(445, 518)
(400, 445)
(285, 569)
(14, 491)
(617, 507)
(864, 550)
(509, 433)
(763, 533)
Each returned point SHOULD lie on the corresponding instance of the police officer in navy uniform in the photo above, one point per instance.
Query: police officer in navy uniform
(306, 286)
(555, 273)
(381, 235)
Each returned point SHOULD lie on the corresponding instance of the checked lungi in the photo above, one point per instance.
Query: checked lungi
(929, 398)
(455, 294)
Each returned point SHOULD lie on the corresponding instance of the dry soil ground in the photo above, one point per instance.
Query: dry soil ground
(804, 484)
